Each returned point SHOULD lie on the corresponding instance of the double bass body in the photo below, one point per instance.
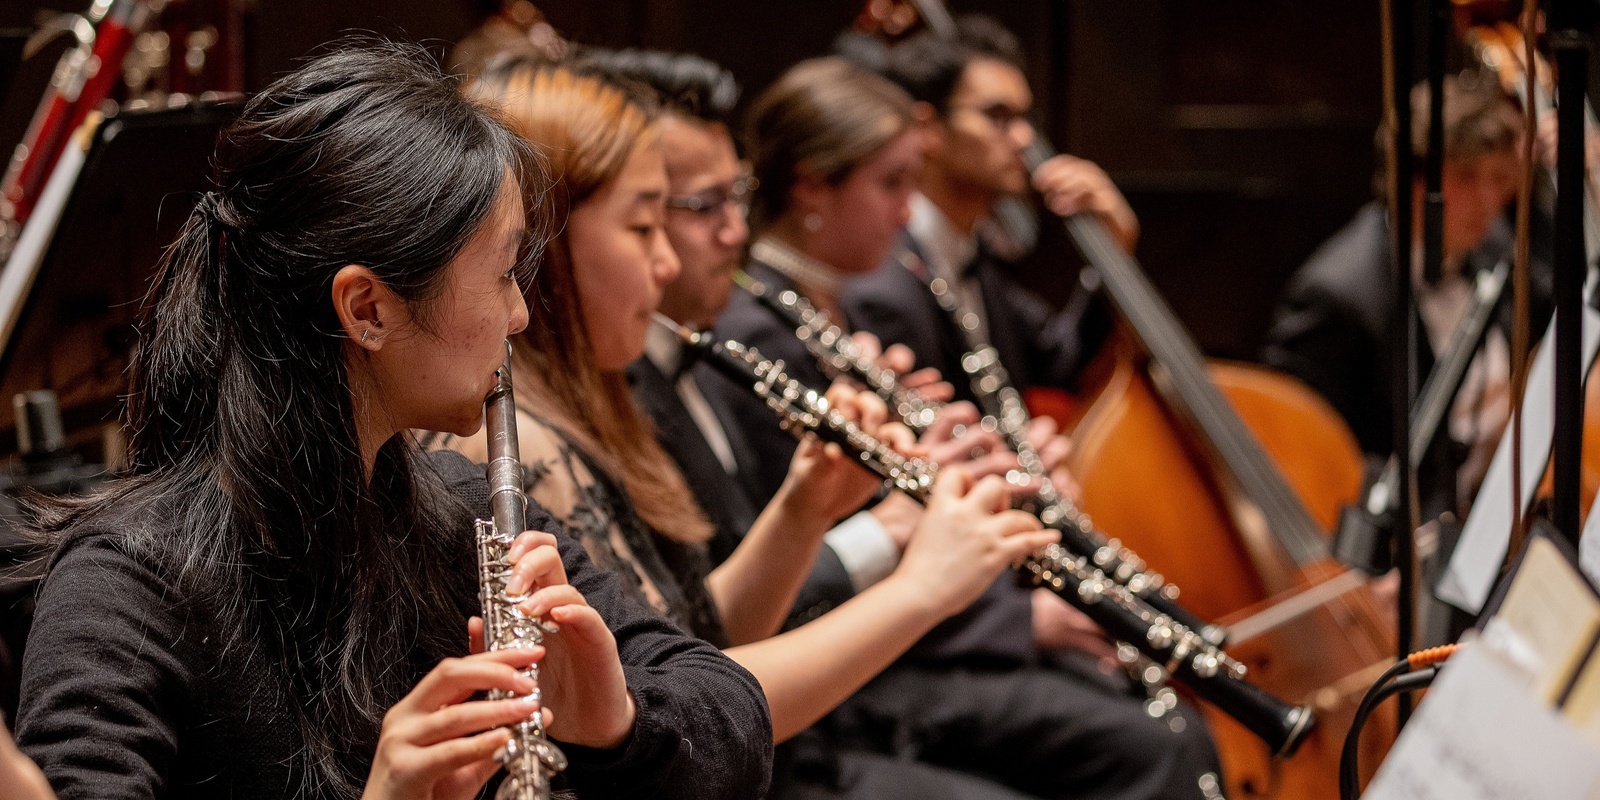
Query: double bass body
(1308, 630)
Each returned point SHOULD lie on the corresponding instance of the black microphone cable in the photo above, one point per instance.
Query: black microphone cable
(1413, 672)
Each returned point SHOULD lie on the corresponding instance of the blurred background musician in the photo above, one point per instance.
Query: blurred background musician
(1331, 327)
(972, 112)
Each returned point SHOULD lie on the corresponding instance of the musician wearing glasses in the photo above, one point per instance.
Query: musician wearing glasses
(707, 203)
(973, 103)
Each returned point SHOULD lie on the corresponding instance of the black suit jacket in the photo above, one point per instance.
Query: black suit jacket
(746, 321)
(1331, 329)
(996, 628)
(1037, 346)
(728, 500)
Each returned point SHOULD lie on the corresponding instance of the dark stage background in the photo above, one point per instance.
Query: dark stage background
(1240, 130)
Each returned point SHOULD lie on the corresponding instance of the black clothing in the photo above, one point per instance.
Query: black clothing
(1331, 329)
(727, 499)
(729, 507)
(131, 691)
(975, 695)
(1061, 732)
(1037, 347)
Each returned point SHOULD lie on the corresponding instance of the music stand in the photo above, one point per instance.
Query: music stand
(71, 327)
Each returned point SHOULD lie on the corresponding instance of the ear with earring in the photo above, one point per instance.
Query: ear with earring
(367, 337)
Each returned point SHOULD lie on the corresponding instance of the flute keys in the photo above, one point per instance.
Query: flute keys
(550, 756)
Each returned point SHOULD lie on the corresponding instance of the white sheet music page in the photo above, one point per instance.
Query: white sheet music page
(1482, 548)
(1481, 734)
(1546, 625)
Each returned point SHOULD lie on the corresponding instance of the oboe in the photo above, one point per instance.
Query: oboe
(1004, 410)
(1001, 402)
(838, 353)
(529, 758)
(1183, 653)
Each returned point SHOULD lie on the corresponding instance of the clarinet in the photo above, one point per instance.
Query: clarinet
(1002, 403)
(1185, 655)
(530, 759)
(838, 353)
(1003, 408)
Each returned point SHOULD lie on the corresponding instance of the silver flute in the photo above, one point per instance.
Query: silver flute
(530, 759)
(838, 353)
(1167, 643)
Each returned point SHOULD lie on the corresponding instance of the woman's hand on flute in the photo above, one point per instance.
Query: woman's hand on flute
(437, 742)
(581, 676)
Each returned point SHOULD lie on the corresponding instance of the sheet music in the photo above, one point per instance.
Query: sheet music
(1480, 734)
(1482, 548)
(1547, 622)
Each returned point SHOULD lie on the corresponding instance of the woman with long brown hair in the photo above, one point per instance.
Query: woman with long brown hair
(592, 455)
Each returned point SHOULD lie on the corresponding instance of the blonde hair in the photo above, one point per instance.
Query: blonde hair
(823, 117)
(585, 127)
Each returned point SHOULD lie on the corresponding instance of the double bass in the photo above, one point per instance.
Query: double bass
(1225, 478)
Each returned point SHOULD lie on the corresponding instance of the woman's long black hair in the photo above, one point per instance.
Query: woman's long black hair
(246, 479)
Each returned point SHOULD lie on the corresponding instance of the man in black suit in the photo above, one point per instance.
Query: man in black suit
(973, 102)
(1332, 328)
(976, 695)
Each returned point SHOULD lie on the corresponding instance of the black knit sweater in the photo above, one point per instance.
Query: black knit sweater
(128, 693)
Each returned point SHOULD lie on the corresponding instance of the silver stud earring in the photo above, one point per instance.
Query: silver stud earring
(813, 222)
(365, 332)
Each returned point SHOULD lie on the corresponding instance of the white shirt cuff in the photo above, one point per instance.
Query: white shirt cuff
(865, 548)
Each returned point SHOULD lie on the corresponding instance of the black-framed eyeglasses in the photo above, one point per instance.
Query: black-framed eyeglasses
(711, 202)
(1000, 115)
